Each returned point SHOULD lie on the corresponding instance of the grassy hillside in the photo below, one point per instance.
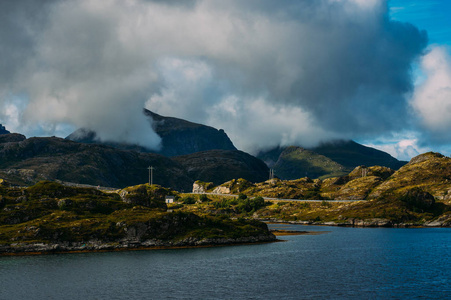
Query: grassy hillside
(418, 193)
(327, 160)
(51, 217)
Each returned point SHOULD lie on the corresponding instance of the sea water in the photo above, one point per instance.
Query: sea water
(341, 263)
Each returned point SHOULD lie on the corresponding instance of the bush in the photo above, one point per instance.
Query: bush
(324, 203)
(204, 198)
(416, 198)
(242, 197)
(188, 200)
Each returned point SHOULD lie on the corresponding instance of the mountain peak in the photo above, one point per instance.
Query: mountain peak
(178, 137)
(3, 130)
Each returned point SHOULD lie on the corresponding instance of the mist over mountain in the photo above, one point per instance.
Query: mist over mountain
(200, 144)
(178, 137)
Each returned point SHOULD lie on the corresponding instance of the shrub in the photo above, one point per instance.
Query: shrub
(324, 203)
(242, 197)
(188, 200)
(204, 198)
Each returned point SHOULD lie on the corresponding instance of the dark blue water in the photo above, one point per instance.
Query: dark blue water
(345, 263)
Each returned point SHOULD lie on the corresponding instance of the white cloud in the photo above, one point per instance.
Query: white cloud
(432, 98)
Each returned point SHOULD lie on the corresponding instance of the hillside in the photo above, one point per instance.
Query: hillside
(217, 165)
(30, 160)
(418, 194)
(327, 160)
(26, 161)
(429, 172)
(351, 154)
(49, 217)
(181, 137)
(178, 137)
(292, 161)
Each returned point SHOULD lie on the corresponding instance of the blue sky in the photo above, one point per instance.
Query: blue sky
(270, 73)
(431, 15)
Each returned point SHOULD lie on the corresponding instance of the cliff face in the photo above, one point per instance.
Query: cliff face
(179, 137)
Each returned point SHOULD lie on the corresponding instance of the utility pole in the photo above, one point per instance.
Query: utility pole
(271, 173)
(151, 175)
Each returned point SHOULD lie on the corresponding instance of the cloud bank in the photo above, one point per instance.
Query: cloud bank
(432, 98)
(269, 73)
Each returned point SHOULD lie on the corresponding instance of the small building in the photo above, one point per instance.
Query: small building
(169, 199)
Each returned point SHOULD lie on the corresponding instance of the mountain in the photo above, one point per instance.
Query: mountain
(351, 154)
(30, 160)
(179, 137)
(296, 162)
(3, 130)
(26, 161)
(326, 160)
(219, 166)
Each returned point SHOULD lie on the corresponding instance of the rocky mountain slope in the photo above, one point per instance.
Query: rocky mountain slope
(26, 161)
(327, 160)
(30, 160)
(178, 137)
(181, 137)
(215, 165)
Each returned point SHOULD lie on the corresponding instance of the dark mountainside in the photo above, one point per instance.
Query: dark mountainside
(351, 154)
(3, 130)
(327, 160)
(30, 160)
(179, 137)
(26, 161)
(219, 166)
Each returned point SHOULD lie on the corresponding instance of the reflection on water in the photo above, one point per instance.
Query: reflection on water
(342, 264)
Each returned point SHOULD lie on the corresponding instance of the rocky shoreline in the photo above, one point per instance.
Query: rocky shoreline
(364, 223)
(102, 246)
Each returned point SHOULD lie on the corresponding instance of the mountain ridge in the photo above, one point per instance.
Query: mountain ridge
(178, 137)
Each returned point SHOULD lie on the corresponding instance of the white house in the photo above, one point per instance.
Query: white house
(169, 199)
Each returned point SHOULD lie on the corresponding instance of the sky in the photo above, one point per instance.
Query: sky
(270, 73)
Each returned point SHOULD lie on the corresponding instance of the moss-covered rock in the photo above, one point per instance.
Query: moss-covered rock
(146, 195)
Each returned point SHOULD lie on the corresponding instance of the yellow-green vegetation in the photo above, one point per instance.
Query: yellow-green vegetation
(419, 193)
(415, 207)
(304, 188)
(50, 213)
(430, 172)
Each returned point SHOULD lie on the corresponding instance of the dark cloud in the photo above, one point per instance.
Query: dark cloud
(269, 73)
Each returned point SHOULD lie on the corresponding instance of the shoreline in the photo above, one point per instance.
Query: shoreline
(25, 249)
(369, 223)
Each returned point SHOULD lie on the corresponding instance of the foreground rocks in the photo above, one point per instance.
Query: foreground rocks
(98, 245)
